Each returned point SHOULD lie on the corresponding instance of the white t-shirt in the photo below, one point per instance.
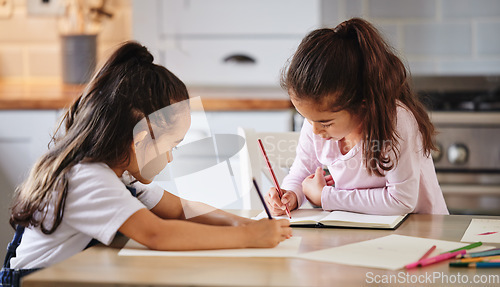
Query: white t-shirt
(97, 204)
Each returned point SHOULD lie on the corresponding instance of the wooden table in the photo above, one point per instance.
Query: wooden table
(101, 266)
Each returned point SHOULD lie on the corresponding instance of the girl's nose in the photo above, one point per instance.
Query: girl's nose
(170, 157)
(317, 129)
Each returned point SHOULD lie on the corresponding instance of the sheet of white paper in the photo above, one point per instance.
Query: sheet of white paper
(484, 230)
(287, 248)
(389, 252)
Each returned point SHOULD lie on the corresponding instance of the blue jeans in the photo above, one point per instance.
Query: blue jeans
(12, 277)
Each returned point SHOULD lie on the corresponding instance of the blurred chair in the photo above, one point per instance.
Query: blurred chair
(280, 148)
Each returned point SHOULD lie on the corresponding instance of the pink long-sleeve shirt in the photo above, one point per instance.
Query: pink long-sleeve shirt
(410, 187)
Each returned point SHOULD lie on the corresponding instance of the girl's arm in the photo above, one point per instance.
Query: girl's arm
(401, 191)
(304, 164)
(390, 200)
(173, 234)
(393, 199)
(173, 207)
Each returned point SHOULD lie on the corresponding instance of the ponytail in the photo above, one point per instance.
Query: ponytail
(352, 68)
(98, 128)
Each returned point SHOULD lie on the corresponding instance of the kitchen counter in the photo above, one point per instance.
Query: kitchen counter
(51, 94)
(36, 95)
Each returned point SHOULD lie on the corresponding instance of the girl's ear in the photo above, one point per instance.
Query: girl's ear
(363, 106)
(363, 103)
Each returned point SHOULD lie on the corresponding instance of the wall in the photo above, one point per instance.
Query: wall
(434, 36)
(30, 45)
(30, 49)
(451, 37)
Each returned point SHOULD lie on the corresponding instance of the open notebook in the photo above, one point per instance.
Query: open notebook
(320, 218)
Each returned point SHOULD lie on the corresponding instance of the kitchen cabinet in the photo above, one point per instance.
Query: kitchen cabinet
(253, 62)
(236, 17)
(224, 42)
(24, 136)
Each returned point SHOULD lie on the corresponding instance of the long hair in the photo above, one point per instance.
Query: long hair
(352, 68)
(98, 128)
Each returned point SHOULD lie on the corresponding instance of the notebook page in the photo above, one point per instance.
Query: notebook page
(300, 215)
(361, 218)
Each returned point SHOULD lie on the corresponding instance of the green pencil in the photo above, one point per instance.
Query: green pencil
(467, 247)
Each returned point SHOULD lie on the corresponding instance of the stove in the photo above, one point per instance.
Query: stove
(466, 114)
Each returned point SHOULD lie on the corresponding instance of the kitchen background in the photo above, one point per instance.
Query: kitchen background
(435, 36)
(230, 49)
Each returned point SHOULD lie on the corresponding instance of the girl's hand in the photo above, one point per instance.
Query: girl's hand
(313, 185)
(277, 205)
(267, 233)
(329, 179)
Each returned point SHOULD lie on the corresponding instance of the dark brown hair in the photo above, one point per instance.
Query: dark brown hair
(352, 68)
(98, 128)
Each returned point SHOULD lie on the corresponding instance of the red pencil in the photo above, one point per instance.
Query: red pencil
(427, 253)
(276, 184)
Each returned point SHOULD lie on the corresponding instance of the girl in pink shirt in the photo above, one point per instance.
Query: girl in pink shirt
(363, 123)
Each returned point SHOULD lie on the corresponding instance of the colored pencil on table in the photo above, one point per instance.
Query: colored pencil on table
(476, 264)
(478, 259)
(417, 263)
(491, 252)
(466, 247)
(435, 259)
(427, 253)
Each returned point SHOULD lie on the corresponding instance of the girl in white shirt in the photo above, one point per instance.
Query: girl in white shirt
(121, 131)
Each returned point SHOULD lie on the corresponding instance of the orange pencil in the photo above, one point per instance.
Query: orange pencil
(479, 259)
(276, 184)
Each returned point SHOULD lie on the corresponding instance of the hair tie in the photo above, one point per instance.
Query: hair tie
(347, 29)
(144, 56)
(340, 27)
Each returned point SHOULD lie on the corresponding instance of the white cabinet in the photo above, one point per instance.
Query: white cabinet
(221, 62)
(24, 136)
(224, 42)
(237, 17)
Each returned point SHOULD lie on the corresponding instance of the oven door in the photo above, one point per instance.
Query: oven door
(468, 162)
(471, 193)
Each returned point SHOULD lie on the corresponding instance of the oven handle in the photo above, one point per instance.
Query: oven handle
(470, 189)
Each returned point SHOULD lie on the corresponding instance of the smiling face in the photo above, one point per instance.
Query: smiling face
(329, 125)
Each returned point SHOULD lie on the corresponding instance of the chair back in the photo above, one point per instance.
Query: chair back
(280, 148)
